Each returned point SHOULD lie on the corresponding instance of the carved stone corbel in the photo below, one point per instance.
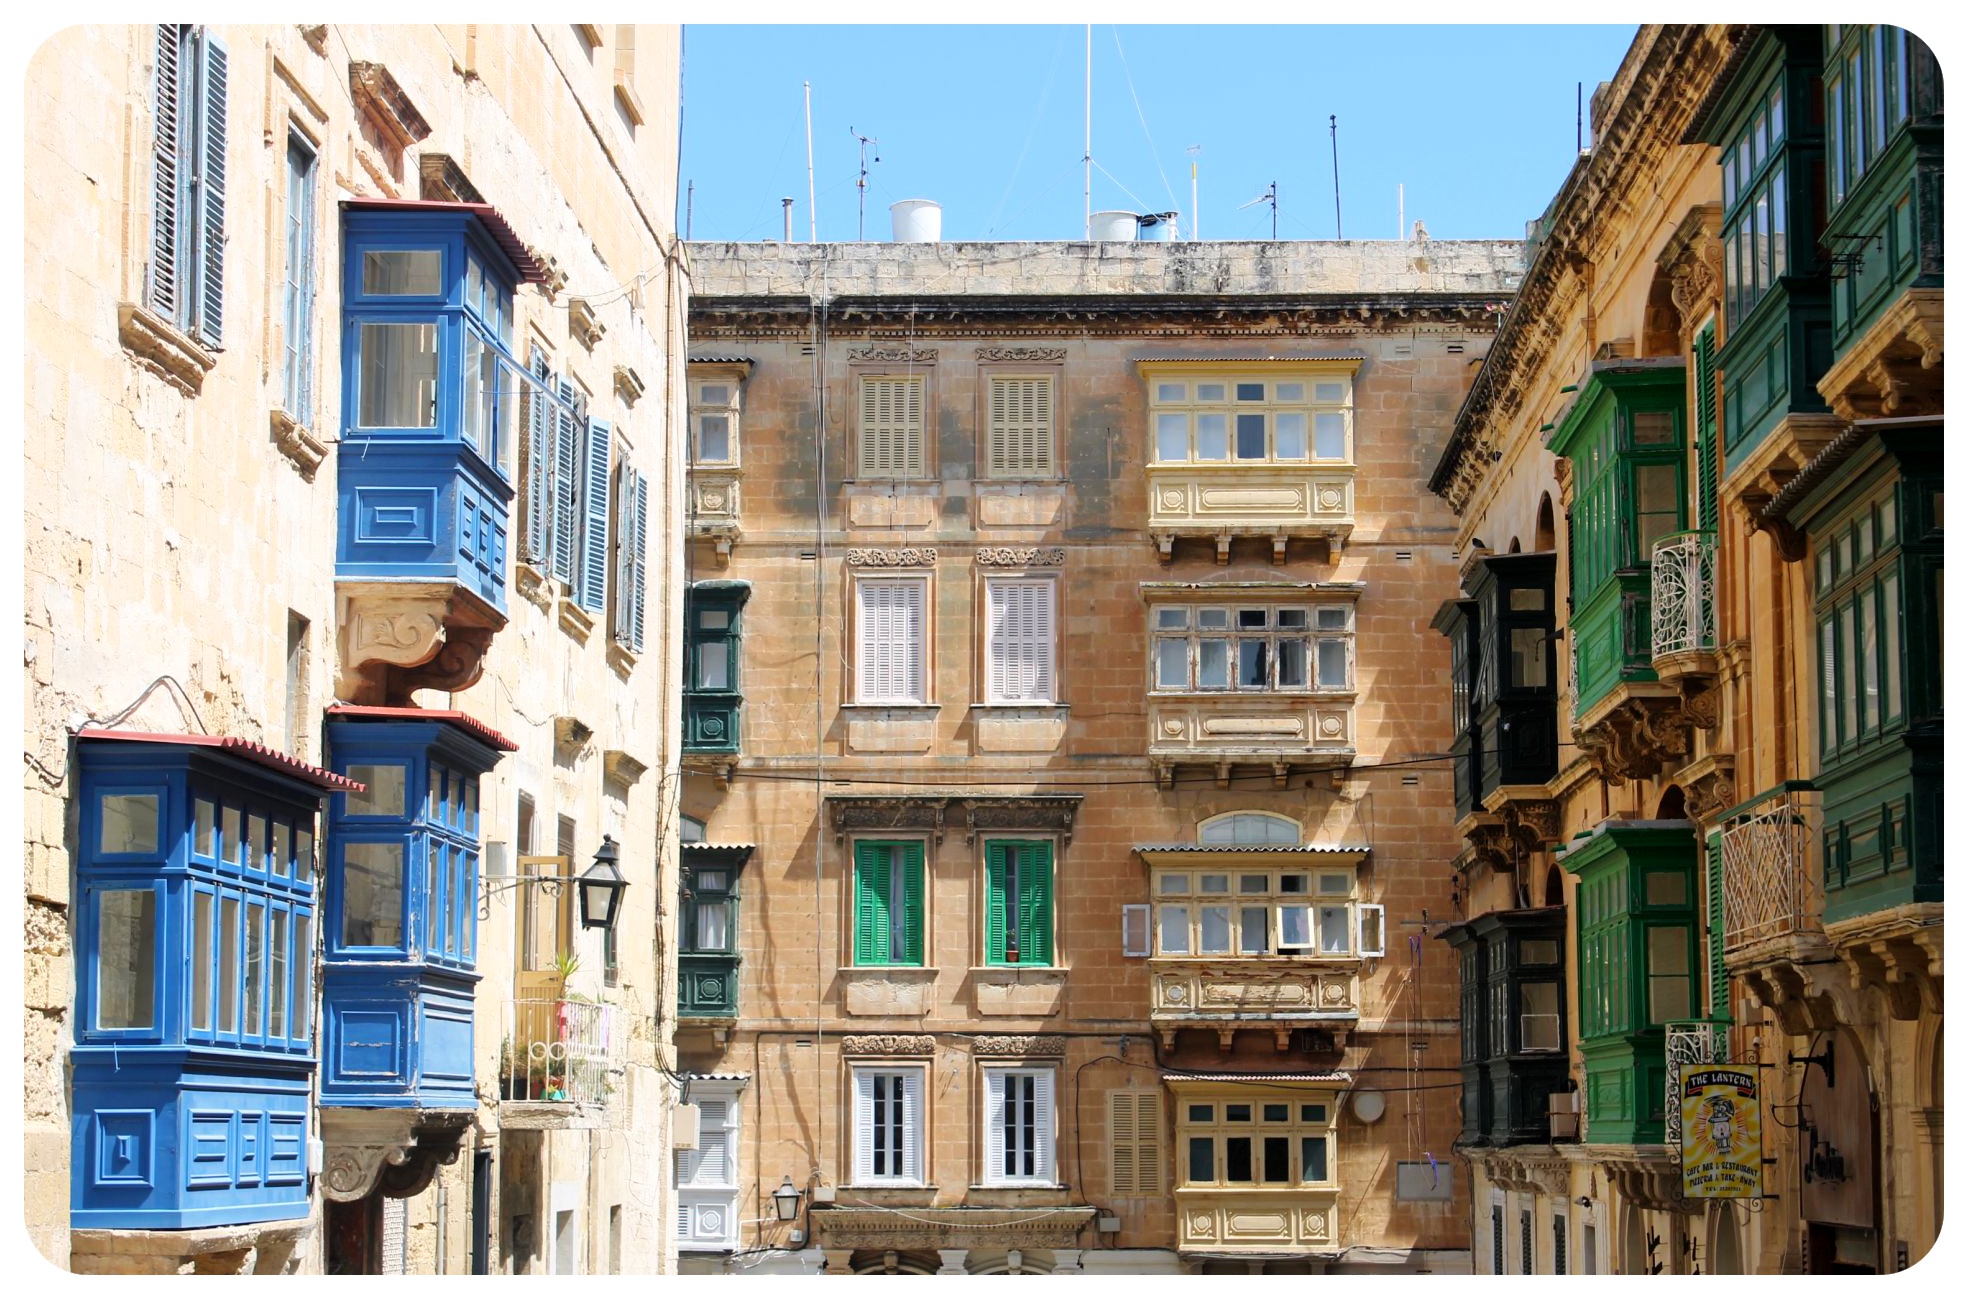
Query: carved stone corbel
(396, 1152)
(398, 638)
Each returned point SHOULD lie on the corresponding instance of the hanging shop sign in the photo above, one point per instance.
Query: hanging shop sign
(1721, 1133)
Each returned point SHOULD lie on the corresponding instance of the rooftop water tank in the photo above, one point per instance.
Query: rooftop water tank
(1115, 225)
(917, 220)
(1158, 227)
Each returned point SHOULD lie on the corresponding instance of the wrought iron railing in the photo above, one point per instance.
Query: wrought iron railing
(1768, 888)
(1684, 593)
(1699, 1041)
(558, 1050)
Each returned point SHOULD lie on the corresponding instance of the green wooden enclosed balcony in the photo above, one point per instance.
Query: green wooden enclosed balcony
(713, 698)
(707, 930)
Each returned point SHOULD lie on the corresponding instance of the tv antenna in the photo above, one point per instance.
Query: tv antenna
(861, 183)
(1195, 208)
(1268, 196)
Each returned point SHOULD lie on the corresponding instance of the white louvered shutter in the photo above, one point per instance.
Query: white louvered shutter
(994, 1125)
(710, 1163)
(1020, 642)
(1020, 428)
(890, 657)
(912, 1125)
(864, 1127)
(1135, 937)
(891, 443)
(1042, 1125)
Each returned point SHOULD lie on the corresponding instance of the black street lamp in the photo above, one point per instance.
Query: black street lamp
(601, 887)
(786, 1200)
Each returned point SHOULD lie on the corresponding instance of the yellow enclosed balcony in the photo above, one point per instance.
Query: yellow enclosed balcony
(1257, 1164)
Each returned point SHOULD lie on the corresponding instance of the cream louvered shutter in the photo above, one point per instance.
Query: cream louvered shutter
(890, 641)
(1020, 643)
(891, 428)
(1020, 428)
(1134, 1132)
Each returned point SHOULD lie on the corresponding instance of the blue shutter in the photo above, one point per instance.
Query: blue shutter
(165, 178)
(211, 164)
(631, 517)
(539, 462)
(591, 593)
(566, 484)
(640, 585)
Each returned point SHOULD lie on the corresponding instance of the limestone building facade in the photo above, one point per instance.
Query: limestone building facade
(1696, 679)
(1060, 810)
(352, 606)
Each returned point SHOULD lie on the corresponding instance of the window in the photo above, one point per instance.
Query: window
(1248, 828)
(707, 1177)
(891, 634)
(1670, 983)
(631, 543)
(1867, 98)
(1860, 614)
(891, 427)
(186, 280)
(1755, 227)
(1018, 647)
(888, 1125)
(714, 422)
(567, 488)
(1018, 902)
(1272, 1138)
(888, 903)
(1018, 427)
(1258, 647)
(1240, 912)
(1134, 1142)
(1558, 1259)
(297, 290)
(1018, 1127)
(1252, 419)
(707, 920)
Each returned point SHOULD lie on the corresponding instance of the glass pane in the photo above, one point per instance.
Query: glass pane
(1869, 659)
(1175, 931)
(228, 965)
(255, 968)
(372, 895)
(1202, 1159)
(1294, 926)
(714, 666)
(1311, 1114)
(1212, 437)
(1847, 673)
(277, 976)
(1277, 1157)
(1289, 431)
(1250, 392)
(1332, 664)
(384, 796)
(1171, 664)
(714, 438)
(1253, 664)
(1171, 619)
(1209, 392)
(1171, 437)
(281, 855)
(1237, 1159)
(1213, 884)
(1236, 1114)
(1328, 392)
(1333, 617)
(256, 842)
(1255, 936)
(1889, 597)
(1335, 883)
(435, 856)
(1312, 1158)
(129, 823)
(1250, 437)
(1292, 660)
(1525, 599)
(1212, 619)
(415, 271)
(303, 975)
(399, 376)
(201, 961)
(1253, 884)
(1289, 619)
(481, 388)
(1653, 428)
(1667, 973)
(1667, 889)
(1538, 1023)
(1537, 951)
(1288, 392)
(205, 829)
(1334, 930)
(1294, 883)
(1202, 1113)
(713, 929)
(1827, 687)
(1213, 664)
(1329, 436)
(1171, 391)
(1253, 619)
(1215, 931)
(1527, 658)
(1277, 1113)
(229, 834)
(711, 881)
(714, 619)
(303, 852)
(126, 958)
(1174, 884)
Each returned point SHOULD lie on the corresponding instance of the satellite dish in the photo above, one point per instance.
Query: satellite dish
(1369, 1106)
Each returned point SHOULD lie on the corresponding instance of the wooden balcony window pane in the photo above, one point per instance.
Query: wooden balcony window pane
(1202, 1159)
(1237, 1162)
(1277, 1159)
(129, 823)
(1212, 438)
(126, 952)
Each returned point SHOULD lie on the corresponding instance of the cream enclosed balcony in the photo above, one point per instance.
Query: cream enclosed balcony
(1684, 605)
(1257, 1163)
(1250, 447)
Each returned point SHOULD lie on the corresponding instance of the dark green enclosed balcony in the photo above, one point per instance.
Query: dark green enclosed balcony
(707, 931)
(1513, 1024)
(1638, 928)
(713, 698)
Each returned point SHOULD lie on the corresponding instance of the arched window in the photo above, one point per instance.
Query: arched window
(692, 831)
(1547, 533)
(1248, 827)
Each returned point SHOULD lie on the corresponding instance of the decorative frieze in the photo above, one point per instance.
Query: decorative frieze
(1019, 1044)
(939, 1227)
(904, 355)
(1043, 813)
(888, 1044)
(852, 812)
(1017, 354)
(1021, 556)
(904, 557)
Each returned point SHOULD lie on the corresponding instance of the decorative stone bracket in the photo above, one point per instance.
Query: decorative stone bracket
(1650, 1181)
(398, 638)
(383, 104)
(1896, 953)
(297, 443)
(1642, 734)
(159, 347)
(394, 1151)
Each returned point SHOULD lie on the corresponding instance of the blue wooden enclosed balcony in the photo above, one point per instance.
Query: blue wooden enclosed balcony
(194, 981)
(431, 391)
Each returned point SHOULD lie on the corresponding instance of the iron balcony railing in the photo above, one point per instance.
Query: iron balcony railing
(1699, 1041)
(1768, 888)
(1684, 593)
(559, 1050)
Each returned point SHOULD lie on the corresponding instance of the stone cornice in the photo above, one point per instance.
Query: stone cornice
(1019, 1045)
(1021, 556)
(888, 1044)
(906, 557)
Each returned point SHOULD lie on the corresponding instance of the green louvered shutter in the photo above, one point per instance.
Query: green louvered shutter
(1035, 904)
(912, 904)
(1706, 458)
(995, 884)
(870, 904)
(1718, 971)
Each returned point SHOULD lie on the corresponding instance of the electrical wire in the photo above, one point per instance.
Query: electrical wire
(1153, 152)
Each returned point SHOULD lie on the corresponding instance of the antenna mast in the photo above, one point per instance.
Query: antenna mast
(861, 220)
(1195, 207)
(1270, 195)
(1339, 229)
(812, 216)
(1088, 160)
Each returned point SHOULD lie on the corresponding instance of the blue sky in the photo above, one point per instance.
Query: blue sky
(1476, 122)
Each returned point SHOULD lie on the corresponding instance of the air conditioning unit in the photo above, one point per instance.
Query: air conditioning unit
(685, 1125)
(1564, 1112)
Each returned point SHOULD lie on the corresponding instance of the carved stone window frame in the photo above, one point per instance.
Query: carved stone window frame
(892, 360)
